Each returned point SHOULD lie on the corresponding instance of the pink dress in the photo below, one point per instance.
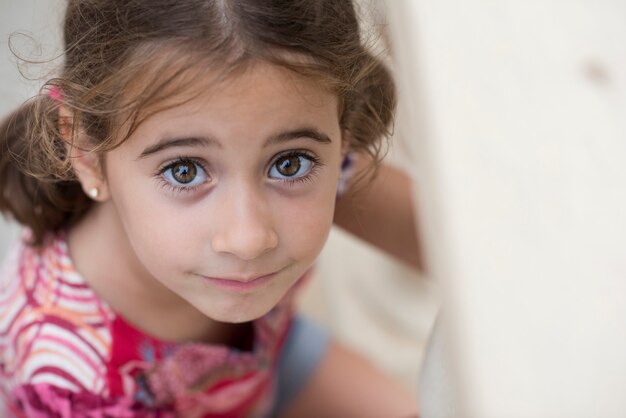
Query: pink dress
(65, 353)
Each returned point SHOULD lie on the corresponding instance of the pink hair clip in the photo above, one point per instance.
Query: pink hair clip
(56, 94)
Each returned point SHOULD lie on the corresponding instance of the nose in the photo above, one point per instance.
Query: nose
(245, 228)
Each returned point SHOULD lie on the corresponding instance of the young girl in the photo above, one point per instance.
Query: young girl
(177, 181)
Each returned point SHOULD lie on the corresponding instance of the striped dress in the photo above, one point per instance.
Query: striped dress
(65, 353)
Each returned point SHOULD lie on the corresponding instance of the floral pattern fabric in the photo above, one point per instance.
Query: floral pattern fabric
(65, 353)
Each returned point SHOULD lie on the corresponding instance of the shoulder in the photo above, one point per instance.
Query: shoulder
(52, 328)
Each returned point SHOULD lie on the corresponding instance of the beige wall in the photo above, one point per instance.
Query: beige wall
(520, 108)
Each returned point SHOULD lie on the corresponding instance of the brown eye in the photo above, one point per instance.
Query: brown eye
(288, 166)
(184, 174)
(184, 171)
(295, 165)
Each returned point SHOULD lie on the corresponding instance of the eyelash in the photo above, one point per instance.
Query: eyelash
(289, 181)
(179, 189)
(316, 164)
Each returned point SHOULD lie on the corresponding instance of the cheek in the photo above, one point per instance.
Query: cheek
(310, 219)
(305, 225)
(160, 235)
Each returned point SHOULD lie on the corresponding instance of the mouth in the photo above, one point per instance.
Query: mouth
(240, 284)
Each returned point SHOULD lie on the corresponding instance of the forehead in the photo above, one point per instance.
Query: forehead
(163, 84)
(259, 99)
(258, 81)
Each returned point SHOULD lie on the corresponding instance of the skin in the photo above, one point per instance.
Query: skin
(237, 219)
(161, 244)
(383, 213)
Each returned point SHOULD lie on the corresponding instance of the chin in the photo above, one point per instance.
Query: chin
(235, 315)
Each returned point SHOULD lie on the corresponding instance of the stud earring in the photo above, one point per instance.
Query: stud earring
(94, 192)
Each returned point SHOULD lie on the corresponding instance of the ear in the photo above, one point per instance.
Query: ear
(86, 163)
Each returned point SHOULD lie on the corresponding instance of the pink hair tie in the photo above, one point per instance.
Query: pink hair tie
(56, 94)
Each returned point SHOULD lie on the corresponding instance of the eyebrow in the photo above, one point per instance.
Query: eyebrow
(178, 142)
(311, 133)
(279, 138)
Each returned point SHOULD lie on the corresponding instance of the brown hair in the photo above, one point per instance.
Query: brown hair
(111, 44)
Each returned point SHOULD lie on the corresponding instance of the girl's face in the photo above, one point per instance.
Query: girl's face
(227, 199)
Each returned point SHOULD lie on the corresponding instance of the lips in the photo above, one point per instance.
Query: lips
(240, 284)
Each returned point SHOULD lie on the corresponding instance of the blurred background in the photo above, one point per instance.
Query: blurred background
(512, 124)
(517, 118)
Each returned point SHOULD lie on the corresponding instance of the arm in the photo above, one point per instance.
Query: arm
(382, 213)
(345, 385)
